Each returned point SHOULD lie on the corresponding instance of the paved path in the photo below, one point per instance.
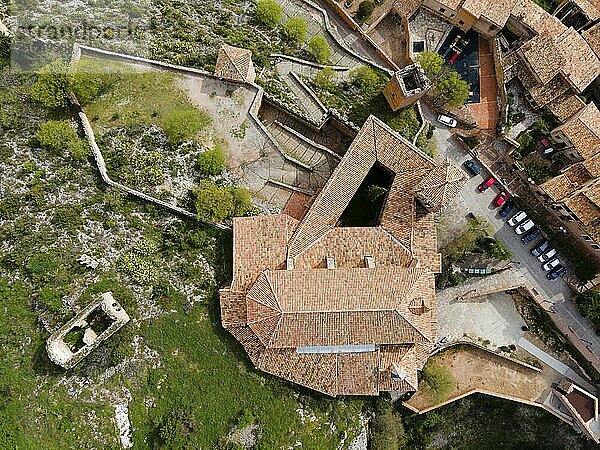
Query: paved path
(557, 293)
(554, 363)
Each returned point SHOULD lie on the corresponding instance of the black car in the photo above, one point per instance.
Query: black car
(507, 208)
(540, 248)
(557, 272)
(533, 234)
(472, 167)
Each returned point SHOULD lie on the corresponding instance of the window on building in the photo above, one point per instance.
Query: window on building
(442, 10)
(461, 22)
(596, 246)
(586, 237)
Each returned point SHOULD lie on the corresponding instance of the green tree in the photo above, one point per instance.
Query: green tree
(452, 88)
(52, 85)
(324, 78)
(589, 304)
(319, 49)
(295, 30)
(211, 161)
(431, 63)
(386, 431)
(368, 81)
(437, 382)
(268, 13)
(242, 202)
(365, 9)
(182, 124)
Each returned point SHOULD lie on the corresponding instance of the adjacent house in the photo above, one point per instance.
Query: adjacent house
(345, 310)
(575, 193)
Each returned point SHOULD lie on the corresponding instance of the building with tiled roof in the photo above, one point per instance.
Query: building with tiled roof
(234, 63)
(592, 36)
(575, 193)
(344, 310)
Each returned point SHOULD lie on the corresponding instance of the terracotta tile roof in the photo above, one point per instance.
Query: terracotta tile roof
(591, 8)
(565, 106)
(584, 208)
(567, 54)
(562, 186)
(592, 165)
(592, 36)
(349, 246)
(475, 7)
(235, 63)
(450, 4)
(262, 245)
(498, 12)
(583, 131)
(368, 322)
(440, 186)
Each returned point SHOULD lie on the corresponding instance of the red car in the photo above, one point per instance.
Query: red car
(486, 184)
(500, 199)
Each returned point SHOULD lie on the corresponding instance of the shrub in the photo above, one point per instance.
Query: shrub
(268, 13)
(56, 135)
(42, 265)
(437, 382)
(537, 172)
(319, 49)
(90, 81)
(368, 81)
(386, 431)
(217, 203)
(52, 85)
(365, 9)
(182, 124)
(295, 30)
(324, 78)
(67, 218)
(211, 161)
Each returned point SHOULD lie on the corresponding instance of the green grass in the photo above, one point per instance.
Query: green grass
(133, 98)
(204, 376)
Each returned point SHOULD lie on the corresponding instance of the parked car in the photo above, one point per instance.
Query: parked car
(525, 226)
(517, 218)
(548, 151)
(500, 199)
(446, 120)
(486, 184)
(551, 253)
(472, 167)
(552, 264)
(507, 208)
(557, 272)
(540, 248)
(531, 236)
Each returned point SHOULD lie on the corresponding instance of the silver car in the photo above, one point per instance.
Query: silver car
(517, 218)
(551, 264)
(525, 226)
(547, 256)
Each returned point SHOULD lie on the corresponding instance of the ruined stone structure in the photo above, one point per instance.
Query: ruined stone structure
(83, 333)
